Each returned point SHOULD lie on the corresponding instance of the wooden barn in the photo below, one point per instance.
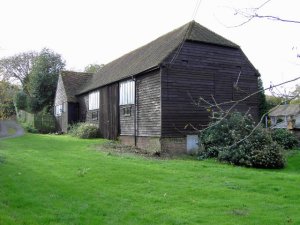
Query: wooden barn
(147, 97)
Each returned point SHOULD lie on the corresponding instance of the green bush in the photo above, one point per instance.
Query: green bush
(7, 110)
(222, 140)
(285, 138)
(29, 128)
(84, 130)
(270, 156)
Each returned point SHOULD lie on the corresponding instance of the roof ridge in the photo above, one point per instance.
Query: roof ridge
(153, 54)
(191, 27)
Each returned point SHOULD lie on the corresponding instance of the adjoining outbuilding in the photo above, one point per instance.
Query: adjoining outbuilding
(285, 116)
(147, 97)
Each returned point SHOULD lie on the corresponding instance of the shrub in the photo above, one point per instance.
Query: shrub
(29, 128)
(222, 140)
(270, 156)
(84, 130)
(285, 138)
(7, 110)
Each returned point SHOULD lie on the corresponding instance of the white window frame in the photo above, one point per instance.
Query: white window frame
(127, 92)
(94, 100)
(58, 110)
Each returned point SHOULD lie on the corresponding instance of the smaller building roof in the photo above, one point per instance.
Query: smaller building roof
(73, 81)
(285, 110)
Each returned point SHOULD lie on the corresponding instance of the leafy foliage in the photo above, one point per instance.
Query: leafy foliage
(29, 128)
(223, 141)
(7, 108)
(296, 92)
(42, 80)
(263, 106)
(84, 130)
(20, 100)
(93, 68)
(273, 101)
(285, 138)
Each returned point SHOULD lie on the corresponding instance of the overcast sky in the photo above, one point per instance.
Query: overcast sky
(99, 31)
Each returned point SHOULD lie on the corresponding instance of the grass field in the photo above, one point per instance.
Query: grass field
(48, 179)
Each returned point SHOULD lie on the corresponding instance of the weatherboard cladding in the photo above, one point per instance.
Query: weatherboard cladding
(152, 54)
(203, 70)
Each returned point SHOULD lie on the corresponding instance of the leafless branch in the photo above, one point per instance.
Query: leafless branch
(235, 103)
(252, 13)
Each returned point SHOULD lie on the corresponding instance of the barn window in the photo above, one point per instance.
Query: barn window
(94, 100)
(58, 110)
(95, 115)
(127, 90)
(127, 111)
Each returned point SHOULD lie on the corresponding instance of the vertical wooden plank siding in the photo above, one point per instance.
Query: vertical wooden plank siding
(85, 115)
(203, 70)
(109, 111)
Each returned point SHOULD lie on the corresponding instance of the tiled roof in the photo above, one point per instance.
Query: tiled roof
(153, 54)
(285, 110)
(74, 81)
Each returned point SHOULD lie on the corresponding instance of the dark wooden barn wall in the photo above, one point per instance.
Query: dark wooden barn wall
(109, 111)
(203, 70)
(85, 115)
(148, 104)
(127, 121)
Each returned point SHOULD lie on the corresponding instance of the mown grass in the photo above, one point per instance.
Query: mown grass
(48, 179)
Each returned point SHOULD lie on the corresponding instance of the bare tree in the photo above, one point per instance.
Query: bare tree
(253, 13)
(17, 67)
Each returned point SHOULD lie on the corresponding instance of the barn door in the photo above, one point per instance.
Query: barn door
(109, 111)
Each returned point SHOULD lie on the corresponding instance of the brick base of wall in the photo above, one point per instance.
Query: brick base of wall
(172, 146)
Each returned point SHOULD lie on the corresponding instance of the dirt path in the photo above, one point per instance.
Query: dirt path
(10, 129)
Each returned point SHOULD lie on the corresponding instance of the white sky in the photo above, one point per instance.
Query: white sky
(99, 31)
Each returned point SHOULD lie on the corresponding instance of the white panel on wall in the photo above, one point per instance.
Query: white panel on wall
(192, 143)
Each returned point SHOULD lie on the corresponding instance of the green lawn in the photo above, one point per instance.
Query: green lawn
(48, 179)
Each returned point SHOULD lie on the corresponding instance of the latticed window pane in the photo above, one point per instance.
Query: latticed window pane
(94, 99)
(127, 92)
(58, 110)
